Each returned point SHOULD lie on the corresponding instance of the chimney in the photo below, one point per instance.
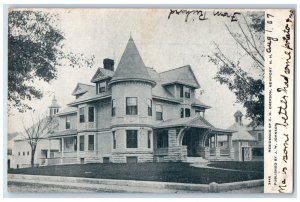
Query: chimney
(108, 64)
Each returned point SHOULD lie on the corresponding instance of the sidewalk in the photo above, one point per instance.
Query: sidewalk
(132, 186)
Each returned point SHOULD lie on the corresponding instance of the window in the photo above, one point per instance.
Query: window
(159, 112)
(131, 159)
(259, 137)
(68, 122)
(162, 139)
(187, 92)
(91, 142)
(149, 107)
(19, 153)
(28, 153)
(113, 108)
(23, 153)
(81, 143)
(131, 106)
(181, 112)
(149, 139)
(9, 151)
(131, 138)
(114, 140)
(68, 143)
(75, 144)
(187, 112)
(101, 87)
(91, 114)
(181, 90)
(81, 115)
(258, 151)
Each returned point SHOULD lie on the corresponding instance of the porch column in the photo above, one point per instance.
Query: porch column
(62, 149)
(229, 141)
(216, 140)
(175, 152)
(217, 146)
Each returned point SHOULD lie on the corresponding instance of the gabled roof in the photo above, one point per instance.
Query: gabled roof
(241, 133)
(90, 96)
(81, 88)
(181, 75)
(64, 133)
(197, 103)
(131, 66)
(158, 91)
(102, 74)
(68, 110)
(197, 122)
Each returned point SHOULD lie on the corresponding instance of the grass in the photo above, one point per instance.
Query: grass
(257, 166)
(163, 172)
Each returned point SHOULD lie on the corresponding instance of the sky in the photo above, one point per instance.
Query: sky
(163, 44)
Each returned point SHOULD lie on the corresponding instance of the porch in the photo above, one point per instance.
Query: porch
(196, 138)
(66, 153)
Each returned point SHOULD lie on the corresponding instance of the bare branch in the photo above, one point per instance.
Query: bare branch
(260, 64)
(248, 40)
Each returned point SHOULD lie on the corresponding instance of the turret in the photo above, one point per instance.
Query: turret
(54, 107)
(131, 87)
(238, 117)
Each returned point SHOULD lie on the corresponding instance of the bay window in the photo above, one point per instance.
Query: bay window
(113, 108)
(81, 115)
(149, 107)
(68, 122)
(131, 139)
(159, 112)
(91, 142)
(91, 114)
(131, 106)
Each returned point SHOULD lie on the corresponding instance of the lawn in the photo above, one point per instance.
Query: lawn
(163, 172)
(257, 166)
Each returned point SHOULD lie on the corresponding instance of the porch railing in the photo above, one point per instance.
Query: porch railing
(66, 154)
(161, 151)
(225, 152)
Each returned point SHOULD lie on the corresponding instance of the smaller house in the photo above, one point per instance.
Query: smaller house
(19, 150)
(246, 141)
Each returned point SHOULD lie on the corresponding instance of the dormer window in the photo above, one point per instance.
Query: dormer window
(101, 87)
(181, 90)
(187, 92)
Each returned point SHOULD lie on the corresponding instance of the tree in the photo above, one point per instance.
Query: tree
(244, 77)
(35, 50)
(41, 127)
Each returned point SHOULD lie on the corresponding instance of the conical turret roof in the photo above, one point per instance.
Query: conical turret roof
(131, 66)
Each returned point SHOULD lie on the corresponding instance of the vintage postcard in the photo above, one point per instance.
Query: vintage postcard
(150, 100)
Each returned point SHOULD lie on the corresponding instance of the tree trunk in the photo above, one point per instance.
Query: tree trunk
(32, 157)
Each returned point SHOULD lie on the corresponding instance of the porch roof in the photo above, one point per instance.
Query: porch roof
(196, 122)
(63, 133)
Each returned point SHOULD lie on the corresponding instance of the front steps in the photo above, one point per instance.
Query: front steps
(196, 160)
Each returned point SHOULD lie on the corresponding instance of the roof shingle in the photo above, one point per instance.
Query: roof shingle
(131, 66)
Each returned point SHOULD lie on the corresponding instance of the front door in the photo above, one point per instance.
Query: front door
(246, 154)
(191, 140)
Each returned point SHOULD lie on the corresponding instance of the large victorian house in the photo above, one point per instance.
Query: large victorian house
(135, 114)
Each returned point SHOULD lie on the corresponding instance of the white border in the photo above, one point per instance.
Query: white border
(149, 3)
